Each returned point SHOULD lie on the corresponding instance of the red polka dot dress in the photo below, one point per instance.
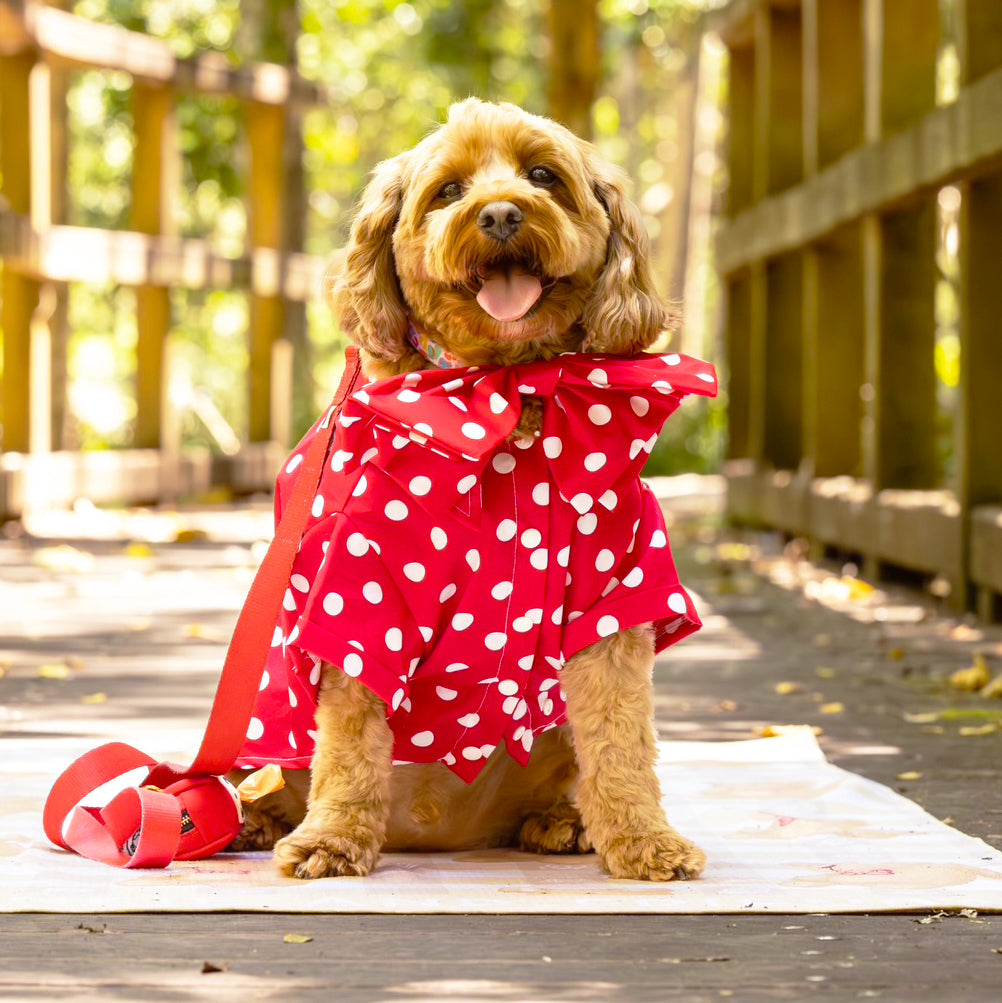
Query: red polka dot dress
(453, 570)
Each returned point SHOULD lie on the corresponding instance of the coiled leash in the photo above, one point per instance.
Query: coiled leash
(190, 812)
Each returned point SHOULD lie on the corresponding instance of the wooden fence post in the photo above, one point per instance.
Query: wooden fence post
(153, 114)
(978, 444)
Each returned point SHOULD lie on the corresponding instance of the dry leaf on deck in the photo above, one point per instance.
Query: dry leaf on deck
(974, 677)
(296, 938)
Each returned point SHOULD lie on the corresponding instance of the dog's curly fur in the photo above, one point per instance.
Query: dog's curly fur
(418, 252)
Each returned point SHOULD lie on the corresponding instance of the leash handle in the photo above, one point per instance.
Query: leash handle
(181, 812)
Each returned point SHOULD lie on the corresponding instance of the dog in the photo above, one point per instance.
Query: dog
(504, 249)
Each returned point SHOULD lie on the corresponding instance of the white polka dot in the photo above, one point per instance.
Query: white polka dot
(587, 524)
(599, 414)
(539, 559)
(634, 578)
(473, 431)
(338, 459)
(595, 461)
(447, 593)
(508, 687)
(394, 639)
(564, 556)
(658, 540)
(399, 441)
(318, 506)
(255, 729)
(396, 510)
(398, 698)
(605, 560)
(524, 388)
(427, 633)
(497, 404)
(608, 500)
(541, 493)
(531, 538)
(439, 538)
(277, 638)
(502, 590)
(525, 663)
(300, 583)
(466, 483)
(635, 447)
(333, 604)
(457, 667)
(408, 396)
(362, 397)
(370, 454)
(357, 545)
(473, 559)
(294, 463)
(352, 665)
(506, 530)
(496, 640)
(373, 592)
(315, 673)
(503, 463)
(360, 487)
(552, 446)
(527, 741)
(662, 386)
(293, 635)
(607, 625)
(414, 571)
(598, 377)
(672, 360)
(444, 693)
(649, 444)
(422, 739)
(706, 377)
(469, 720)
(462, 620)
(293, 699)
(522, 625)
(457, 403)
(423, 428)
(640, 406)
(292, 741)
(472, 753)
(420, 486)
(582, 502)
(676, 602)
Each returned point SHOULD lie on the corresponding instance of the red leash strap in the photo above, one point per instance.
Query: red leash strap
(178, 812)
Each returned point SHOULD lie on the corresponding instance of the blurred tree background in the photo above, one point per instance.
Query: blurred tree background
(622, 72)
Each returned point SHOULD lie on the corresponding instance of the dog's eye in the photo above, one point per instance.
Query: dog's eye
(451, 191)
(542, 176)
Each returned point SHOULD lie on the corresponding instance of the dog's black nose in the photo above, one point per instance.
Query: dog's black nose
(500, 220)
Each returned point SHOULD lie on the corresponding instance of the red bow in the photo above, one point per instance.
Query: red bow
(601, 417)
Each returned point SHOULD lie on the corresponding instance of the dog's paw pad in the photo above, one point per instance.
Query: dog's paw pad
(307, 856)
(657, 857)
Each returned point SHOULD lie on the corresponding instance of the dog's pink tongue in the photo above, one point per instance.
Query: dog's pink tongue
(509, 294)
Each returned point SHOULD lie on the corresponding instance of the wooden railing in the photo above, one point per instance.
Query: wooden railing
(39, 47)
(846, 170)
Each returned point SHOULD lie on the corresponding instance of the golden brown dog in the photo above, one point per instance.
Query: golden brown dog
(505, 239)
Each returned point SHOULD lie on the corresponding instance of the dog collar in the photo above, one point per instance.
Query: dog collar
(432, 350)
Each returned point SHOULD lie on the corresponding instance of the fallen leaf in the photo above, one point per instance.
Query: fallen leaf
(824, 672)
(263, 781)
(139, 550)
(974, 677)
(296, 938)
(94, 698)
(835, 707)
(992, 689)
(897, 654)
(190, 535)
(55, 670)
(924, 717)
(975, 730)
(909, 775)
(786, 688)
(822, 640)
(208, 968)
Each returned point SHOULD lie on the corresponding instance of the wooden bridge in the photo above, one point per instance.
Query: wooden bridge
(865, 164)
(39, 47)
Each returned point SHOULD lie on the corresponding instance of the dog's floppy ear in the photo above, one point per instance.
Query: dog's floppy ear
(624, 313)
(364, 291)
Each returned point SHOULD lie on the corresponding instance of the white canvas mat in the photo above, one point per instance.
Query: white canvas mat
(784, 830)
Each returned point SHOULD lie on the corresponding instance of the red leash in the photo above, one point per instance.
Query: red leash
(189, 812)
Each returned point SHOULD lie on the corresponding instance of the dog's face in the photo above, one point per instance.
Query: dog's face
(503, 237)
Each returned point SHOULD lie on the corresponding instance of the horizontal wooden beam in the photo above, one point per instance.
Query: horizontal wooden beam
(129, 476)
(84, 254)
(956, 142)
(65, 39)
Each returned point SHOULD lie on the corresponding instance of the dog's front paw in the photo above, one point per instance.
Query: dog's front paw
(658, 856)
(310, 854)
(559, 830)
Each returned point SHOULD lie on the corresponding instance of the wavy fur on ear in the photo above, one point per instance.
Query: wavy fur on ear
(364, 292)
(624, 312)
